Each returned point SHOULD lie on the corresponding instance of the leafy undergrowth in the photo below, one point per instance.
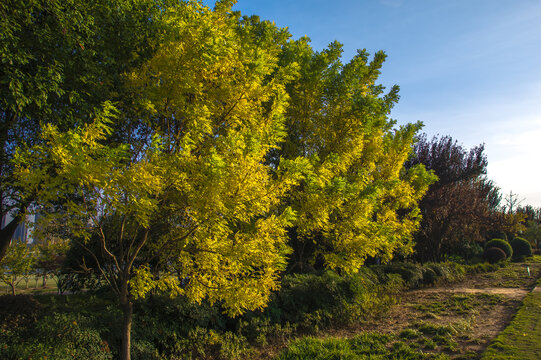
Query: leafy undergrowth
(522, 338)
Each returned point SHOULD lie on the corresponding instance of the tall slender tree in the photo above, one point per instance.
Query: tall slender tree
(356, 200)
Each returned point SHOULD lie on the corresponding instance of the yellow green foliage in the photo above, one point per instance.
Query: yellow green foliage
(209, 108)
(233, 136)
(356, 200)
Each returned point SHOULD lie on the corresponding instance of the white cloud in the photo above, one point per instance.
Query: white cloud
(514, 154)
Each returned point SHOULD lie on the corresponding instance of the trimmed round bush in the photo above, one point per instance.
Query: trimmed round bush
(494, 255)
(521, 246)
(502, 244)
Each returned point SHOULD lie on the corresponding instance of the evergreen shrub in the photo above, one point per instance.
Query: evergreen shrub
(412, 274)
(521, 246)
(501, 244)
(429, 276)
(312, 300)
(447, 271)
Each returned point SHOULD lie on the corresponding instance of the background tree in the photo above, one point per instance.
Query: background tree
(356, 200)
(532, 224)
(17, 264)
(461, 207)
(50, 255)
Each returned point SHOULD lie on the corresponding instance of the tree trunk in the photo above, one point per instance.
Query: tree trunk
(12, 289)
(6, 234)
(127, 310)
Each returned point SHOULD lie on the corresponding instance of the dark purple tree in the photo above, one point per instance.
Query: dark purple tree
(458, 210)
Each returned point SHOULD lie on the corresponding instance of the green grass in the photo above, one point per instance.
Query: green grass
(460, 304)
(34, 286)
(424, 340)
(364, 346)
(522, 338)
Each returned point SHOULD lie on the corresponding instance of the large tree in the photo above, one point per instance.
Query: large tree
(356, 200)
(189, 158)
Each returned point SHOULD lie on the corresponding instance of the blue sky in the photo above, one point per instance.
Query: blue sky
(466, 68)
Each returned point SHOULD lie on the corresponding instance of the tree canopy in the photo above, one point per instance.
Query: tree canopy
(355, 200)
(60, 60)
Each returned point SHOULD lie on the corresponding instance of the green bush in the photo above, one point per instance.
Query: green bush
(312, 300)
(412, 274)
(309, 292)
(502, 244)
(447, 271)
(415, 275)
(521, 246)
(61, 336)
(494, 255)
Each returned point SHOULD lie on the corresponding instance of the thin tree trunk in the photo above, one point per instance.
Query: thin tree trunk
(12, 289)
(127, 310)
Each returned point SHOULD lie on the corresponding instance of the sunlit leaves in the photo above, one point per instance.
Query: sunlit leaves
(17, 263)
(355, 200)
(210, 104)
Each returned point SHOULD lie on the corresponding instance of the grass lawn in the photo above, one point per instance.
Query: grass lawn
(522, 338)
(34, 286)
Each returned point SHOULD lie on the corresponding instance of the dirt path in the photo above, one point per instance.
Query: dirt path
(511, 293)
